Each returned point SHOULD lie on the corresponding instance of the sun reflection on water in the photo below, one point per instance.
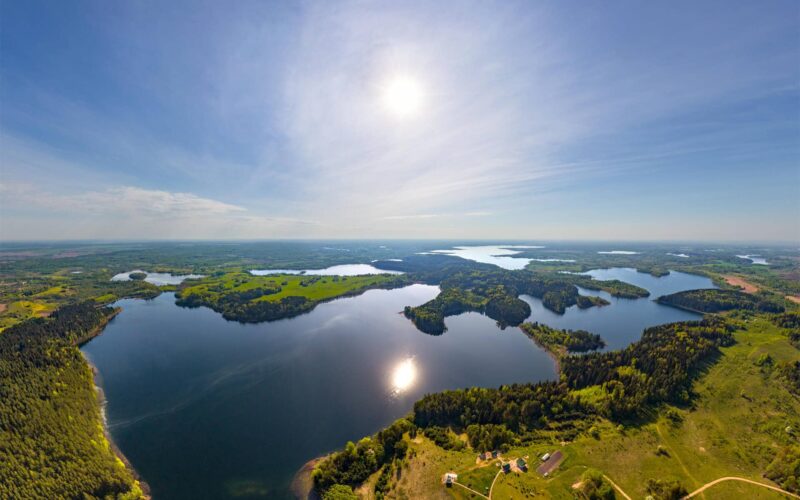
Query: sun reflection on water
(404, 375)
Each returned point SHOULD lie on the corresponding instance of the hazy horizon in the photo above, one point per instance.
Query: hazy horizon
(458, 241)
(375, 120)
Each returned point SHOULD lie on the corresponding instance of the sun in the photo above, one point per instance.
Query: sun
(403, 96)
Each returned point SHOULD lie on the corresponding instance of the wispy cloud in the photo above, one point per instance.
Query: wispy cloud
(272, 124)
(126, 211)
(123, 199)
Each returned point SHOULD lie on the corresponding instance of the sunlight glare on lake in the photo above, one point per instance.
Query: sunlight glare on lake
(402, 96)
(404, 375)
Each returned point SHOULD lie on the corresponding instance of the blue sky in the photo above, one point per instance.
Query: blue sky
(536, 120)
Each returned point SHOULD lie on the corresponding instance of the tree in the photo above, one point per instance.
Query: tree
(339, 492)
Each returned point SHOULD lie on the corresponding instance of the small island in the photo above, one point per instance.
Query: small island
(562, 342)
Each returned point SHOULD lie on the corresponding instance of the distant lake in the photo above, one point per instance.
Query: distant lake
(341, 270)
(498, 255)
(159, 279)
(622, 322)
(206, 408)
(755, 259)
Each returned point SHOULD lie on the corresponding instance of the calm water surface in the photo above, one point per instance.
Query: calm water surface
(159, 279)
(206, 408)
(340, 270)
(499, 255)
(622, 322)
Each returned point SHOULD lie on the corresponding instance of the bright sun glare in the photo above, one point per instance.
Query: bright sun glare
(402, 96)
(404, 375)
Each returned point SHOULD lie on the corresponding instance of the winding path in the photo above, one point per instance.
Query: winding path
(470, 489)
(616, 487)
(493, 480)
(733, 478)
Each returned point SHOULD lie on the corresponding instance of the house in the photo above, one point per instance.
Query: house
(450, 478)
(507, 467)
(521, 464)
(545, 457)
(495, 453)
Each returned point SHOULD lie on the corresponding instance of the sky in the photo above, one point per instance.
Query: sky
(527, 120)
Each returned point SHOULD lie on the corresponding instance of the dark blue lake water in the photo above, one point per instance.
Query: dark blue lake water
(207, 408)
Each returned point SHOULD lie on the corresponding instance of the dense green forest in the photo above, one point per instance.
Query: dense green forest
(52, 443)
(711, 301)
(657, 369)
(561, 341)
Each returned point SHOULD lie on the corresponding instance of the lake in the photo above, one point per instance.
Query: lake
(622, 321)
(755, 259)
(499, 255)
(340, 270)
(158, 279)
(207, 408)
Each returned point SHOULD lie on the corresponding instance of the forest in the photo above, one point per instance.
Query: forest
(713, 300)
(51, 440)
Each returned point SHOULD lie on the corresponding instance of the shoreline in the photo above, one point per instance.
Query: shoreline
(101, 402)
(554, 355)
(302, 486)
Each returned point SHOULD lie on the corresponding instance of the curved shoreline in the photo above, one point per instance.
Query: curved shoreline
(302, 486)
(101, 402)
